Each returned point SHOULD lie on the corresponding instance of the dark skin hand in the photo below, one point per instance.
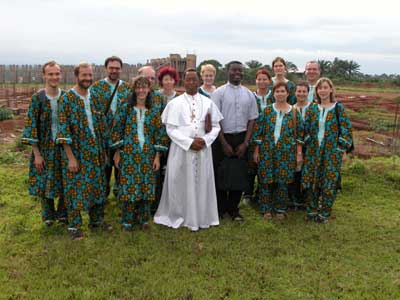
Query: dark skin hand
(228, 150)
(197, 144)
(241, 150)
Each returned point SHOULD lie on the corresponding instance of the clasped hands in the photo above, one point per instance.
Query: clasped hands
(239, 150)
(197, 144)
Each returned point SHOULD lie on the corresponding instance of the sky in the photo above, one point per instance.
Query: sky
(70, 31)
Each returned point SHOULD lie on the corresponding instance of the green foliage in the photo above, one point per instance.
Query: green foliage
(5, 114)
(18, 145)
(9, 155)
(353, 257)
(221, 73)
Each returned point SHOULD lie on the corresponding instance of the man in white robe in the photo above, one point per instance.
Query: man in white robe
(189, 196)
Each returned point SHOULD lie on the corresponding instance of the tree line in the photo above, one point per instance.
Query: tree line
(337, 69)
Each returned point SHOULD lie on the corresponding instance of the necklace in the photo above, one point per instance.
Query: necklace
(192, 110)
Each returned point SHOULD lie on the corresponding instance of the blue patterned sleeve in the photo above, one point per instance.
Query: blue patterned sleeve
(30, 134)
(259, 129)
(162, 139)
(118, 127)
(299, 128)
(64, 135)
(346, 132)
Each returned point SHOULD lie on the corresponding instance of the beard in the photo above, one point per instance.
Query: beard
(113, 76)
(85, 84)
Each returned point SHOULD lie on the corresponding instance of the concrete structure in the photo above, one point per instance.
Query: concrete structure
(176, 61)
(33, 73)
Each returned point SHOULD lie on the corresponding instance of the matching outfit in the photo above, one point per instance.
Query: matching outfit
(82, 125)
(102, 91)
(277, 138)
(139, 134)
(328, 136)
(41, 125)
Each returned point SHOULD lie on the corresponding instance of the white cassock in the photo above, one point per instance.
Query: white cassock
(188, 196)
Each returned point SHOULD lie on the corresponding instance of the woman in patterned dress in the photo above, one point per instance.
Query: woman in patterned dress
(309, 113)
(263, 97)
(278, 137)
(329, 136)
(138, 136)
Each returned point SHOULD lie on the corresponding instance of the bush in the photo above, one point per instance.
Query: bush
(5, 114)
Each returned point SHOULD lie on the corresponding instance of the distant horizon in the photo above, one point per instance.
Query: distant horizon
(300, 68)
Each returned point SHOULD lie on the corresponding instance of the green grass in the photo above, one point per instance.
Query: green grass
(356, 256)
(367, 90)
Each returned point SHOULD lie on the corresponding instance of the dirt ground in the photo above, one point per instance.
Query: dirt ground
(363, 134)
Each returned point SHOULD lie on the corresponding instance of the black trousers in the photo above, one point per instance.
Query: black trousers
(108, 169)
(228, 201)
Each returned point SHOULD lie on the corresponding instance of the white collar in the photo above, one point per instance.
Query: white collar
(278, 111)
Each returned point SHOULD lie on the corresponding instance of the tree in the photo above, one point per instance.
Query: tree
(213, 62)
(353, 68)
(291, 67)
(324, 66)
(221, 73)
(254, 64)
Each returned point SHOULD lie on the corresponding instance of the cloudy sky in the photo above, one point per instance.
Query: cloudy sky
(70, 31)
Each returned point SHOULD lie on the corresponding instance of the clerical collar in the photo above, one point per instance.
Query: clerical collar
(191, 95)
(234, 86)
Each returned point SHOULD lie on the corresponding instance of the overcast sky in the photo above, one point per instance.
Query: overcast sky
(70, 31)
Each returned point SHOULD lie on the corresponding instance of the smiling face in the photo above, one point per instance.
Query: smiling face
(85, 77)
(167, 82)
(113, 70)
(262, 82)
(324, 91)
(312, 72)
(279, 68)
(301, 93)
(52, 76)
(192, 82)
(141, 91)
(235, 73)
(281, 94)
(208, 77)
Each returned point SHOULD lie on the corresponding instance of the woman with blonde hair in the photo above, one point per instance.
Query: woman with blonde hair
(207, 73)
(329, 138)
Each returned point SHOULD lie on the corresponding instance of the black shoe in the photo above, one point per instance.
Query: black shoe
(76, 234)
(237, 217)
(321, 219)
(49, 222)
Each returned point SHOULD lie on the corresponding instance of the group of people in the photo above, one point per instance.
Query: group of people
(187, 159)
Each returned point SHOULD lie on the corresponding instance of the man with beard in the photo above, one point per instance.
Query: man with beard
(110, 92)
(82, 128)
(40, 131)
(239, 109)
(188, 197)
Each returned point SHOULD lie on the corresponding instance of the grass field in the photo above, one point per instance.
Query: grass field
(356, 256)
